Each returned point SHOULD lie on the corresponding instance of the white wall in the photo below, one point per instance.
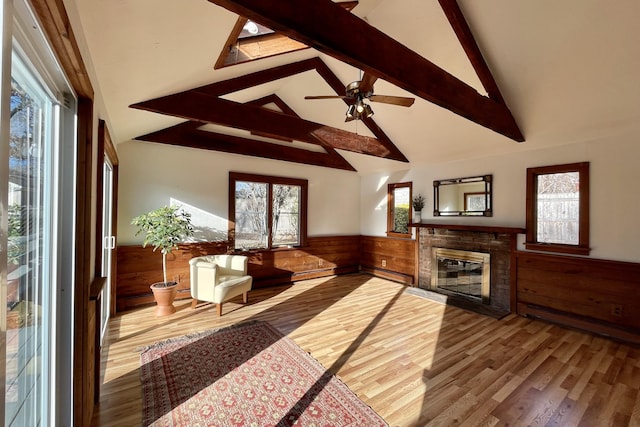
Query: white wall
(614, 195)
(153, 175)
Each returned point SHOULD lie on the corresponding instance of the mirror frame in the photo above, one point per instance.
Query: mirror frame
(488, 194)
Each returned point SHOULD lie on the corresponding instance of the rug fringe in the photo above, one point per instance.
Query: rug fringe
(193, 335)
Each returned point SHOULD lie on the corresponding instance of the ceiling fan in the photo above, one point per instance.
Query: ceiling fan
(355, 94)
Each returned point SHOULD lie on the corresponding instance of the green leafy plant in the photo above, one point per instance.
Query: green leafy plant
(418, 202)
(163, 229)
(16, 242)
(401, 219)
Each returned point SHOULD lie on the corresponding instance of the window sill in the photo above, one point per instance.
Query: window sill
(258, 250)
(554, 247)
(398, 235)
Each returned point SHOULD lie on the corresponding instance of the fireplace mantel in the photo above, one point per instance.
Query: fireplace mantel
(476, 228)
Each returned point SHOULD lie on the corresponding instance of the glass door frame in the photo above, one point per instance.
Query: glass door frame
(19, 40)
(108, 246)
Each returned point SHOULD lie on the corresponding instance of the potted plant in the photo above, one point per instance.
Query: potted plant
(164, 228)
(418, 205)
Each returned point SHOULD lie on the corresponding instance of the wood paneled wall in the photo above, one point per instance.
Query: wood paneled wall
(323, 256)
(592, 294)
(139, 267)
(389, 257)
(596, 295)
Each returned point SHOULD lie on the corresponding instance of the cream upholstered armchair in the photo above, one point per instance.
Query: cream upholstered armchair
(218, 278)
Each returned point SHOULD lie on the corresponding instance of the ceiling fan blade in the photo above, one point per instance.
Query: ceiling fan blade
(395, 100)
(366, 84)
(325, 97)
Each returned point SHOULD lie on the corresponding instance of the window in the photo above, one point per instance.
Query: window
(399, 209)
(267, 212)
(558, 208)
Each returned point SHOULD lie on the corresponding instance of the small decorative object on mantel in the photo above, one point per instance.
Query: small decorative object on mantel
(164, 228)
(418, 205)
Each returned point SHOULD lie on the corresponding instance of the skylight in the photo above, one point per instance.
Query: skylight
(250, 41)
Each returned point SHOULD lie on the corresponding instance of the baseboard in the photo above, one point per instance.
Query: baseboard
(579, 322)
(304, 275)
(141, 300)
(386, 274)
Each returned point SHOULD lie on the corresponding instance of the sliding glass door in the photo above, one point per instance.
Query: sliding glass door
(38, 199)
(30, 244)
(108, 245)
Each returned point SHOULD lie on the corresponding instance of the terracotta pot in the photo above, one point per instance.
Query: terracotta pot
(164, 296)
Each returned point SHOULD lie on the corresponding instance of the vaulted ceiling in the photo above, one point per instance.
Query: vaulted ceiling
(486, 76)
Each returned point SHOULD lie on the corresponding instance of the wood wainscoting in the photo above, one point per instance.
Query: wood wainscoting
(596, 295)
(389, 257)
(139, 267)
(323, 256)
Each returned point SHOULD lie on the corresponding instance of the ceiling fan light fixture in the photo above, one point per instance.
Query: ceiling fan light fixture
(367, 112)
(352, 113)
(359, 110)
(357, 92)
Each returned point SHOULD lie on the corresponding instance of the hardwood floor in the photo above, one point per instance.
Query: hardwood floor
(414, 361)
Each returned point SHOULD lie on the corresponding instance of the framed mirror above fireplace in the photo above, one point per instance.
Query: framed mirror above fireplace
(471, 196)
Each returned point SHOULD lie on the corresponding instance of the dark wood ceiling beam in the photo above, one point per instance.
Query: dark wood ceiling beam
(348, 5)
(257, 78)
(238, 50)
(265, 76)
(339, 88)
(330, 29)
(187, 134)
(277, 101)
(231, 41)
(197, 106)
(460, 26)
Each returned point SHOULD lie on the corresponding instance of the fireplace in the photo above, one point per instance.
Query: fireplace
(493, 248)
(461, 273)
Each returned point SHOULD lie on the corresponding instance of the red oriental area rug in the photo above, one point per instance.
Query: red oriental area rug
(244, 375)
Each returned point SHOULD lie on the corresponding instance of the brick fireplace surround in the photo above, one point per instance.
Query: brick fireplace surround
(499, 242)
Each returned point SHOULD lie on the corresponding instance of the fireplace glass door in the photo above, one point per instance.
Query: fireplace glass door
(461, 273)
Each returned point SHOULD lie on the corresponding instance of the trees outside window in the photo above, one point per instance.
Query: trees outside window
(39, 258)
(558, 208)
(399, 209)
(266, 211)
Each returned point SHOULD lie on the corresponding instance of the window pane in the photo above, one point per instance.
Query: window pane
(251, 215)
(286, 215)
(29, 242)
(401, 209)
(558, 213)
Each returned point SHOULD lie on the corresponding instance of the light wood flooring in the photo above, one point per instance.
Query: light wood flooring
(416, 362)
